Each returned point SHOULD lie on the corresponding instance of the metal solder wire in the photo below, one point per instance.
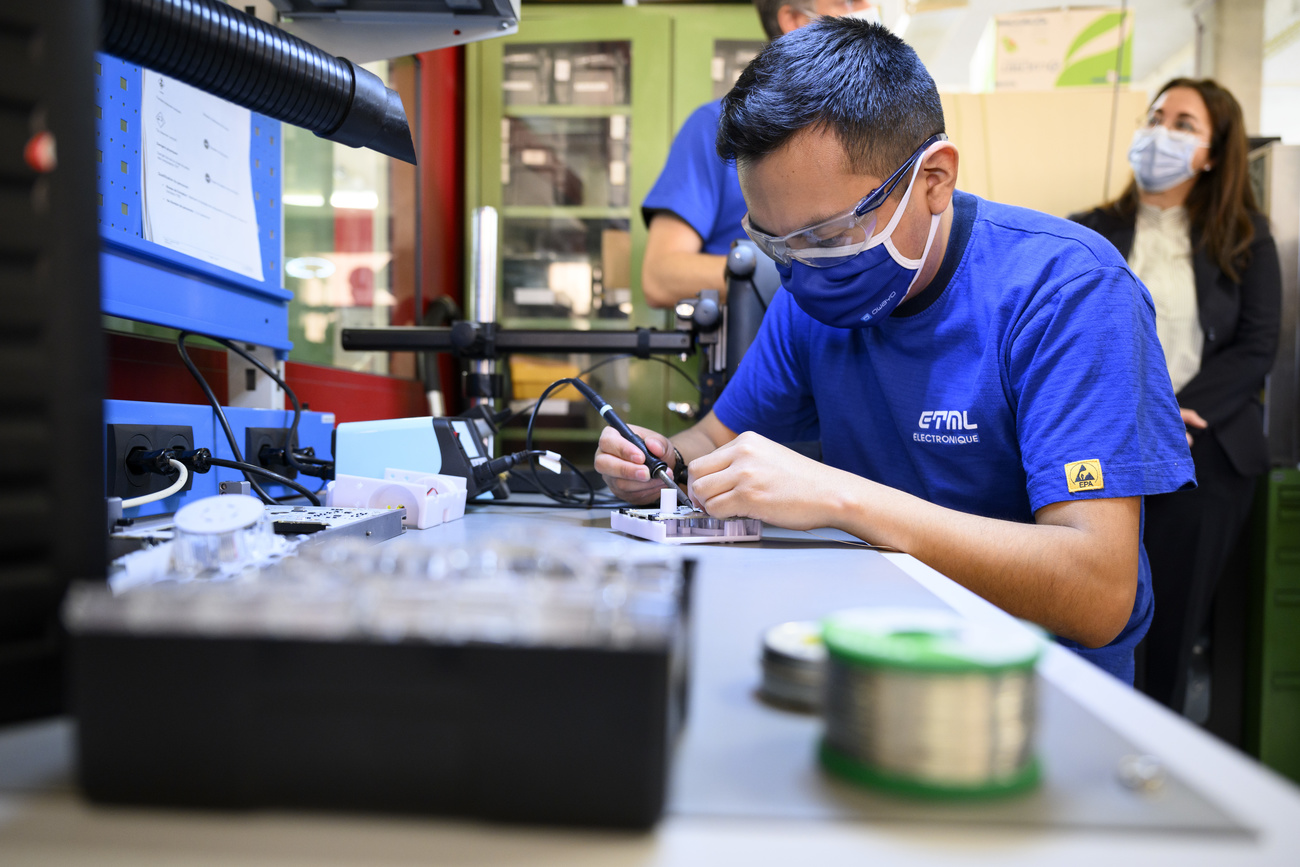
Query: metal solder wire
(954, 730)
(933, 731)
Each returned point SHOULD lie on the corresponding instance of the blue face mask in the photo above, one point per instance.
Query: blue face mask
(863, 289)
(1162, 158)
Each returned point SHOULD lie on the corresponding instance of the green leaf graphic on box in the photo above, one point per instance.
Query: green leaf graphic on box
(1097, 69)
(1101, 25)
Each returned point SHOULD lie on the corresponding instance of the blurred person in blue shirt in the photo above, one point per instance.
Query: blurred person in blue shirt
(693, 211)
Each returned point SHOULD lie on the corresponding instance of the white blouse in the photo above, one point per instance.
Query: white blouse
(1162, 259)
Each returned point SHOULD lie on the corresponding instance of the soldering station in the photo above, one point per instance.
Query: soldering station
(253, 602)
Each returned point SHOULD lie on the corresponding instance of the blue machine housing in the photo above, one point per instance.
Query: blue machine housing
(315, 430)
(147, 282)
(367, 448)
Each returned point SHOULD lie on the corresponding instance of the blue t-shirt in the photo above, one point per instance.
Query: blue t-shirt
(698, 186)
(1032, 350)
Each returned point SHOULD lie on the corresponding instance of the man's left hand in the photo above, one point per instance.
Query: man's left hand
(753, 477)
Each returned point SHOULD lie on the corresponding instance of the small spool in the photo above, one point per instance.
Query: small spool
(920, 702)
(794, 665)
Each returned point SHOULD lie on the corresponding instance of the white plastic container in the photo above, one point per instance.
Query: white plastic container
(430, 499)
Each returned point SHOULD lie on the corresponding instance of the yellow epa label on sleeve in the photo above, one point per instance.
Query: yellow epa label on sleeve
(1083, 476)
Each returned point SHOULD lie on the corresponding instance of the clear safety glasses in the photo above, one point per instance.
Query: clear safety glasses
(831, 241)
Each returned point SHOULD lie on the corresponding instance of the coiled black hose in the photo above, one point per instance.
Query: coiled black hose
(222, 51)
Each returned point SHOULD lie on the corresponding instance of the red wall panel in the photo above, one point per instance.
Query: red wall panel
(142, 368)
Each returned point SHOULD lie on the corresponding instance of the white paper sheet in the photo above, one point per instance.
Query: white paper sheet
(198, 184)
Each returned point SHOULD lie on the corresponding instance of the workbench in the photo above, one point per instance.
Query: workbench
(746, 787)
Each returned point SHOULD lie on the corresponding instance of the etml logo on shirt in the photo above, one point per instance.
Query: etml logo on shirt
(946, 419)
(1082, 476)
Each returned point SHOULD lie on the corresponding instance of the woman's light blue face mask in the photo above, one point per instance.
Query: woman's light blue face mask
(1162, 158)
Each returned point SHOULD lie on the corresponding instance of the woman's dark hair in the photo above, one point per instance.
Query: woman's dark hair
(852, 77)
(1221, 201)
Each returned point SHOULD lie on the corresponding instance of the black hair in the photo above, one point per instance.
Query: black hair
(852, 77)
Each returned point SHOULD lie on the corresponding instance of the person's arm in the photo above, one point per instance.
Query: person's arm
(623, 466)
(674, 268)
(1074, 571)
(1231, 376)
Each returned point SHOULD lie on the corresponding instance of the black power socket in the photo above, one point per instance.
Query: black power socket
(124, 439)
(258, 438)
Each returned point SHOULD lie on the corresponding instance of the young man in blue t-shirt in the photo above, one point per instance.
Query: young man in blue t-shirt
(985, 380)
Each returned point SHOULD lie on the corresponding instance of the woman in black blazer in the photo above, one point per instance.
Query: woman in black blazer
(1189, 226)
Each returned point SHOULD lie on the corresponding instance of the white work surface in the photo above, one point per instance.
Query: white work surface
(746, 788)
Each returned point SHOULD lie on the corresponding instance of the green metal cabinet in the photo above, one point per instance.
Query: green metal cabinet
(568, 125)
(1273, 680)
(711, 45)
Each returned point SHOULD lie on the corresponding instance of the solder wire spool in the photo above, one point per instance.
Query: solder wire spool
(920, 702)
(794, 665)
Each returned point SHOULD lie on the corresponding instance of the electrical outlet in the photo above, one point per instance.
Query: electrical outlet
(123, 439)
(257, 438)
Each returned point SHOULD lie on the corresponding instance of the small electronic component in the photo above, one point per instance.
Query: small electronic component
(684, 526)
(319, 522)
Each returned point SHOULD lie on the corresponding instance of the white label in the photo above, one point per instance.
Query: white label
(197, 182)
(518, 86)
(719, 68)
(563, 70)
(466, 437)
(534, 156)
(590, 86)
(618, 127)
(617, 173)
(534, 297)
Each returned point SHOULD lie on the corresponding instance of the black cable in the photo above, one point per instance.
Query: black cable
(289, 446)
(290, 457)
(532, 462)
(221, 415)
(558, 505)
(247, 468)
(488, 470)
(559, 496)
(610, 360)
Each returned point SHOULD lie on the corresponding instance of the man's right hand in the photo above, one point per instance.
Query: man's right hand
(623, 466)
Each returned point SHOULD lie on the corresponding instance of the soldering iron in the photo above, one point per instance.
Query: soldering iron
(658, 469)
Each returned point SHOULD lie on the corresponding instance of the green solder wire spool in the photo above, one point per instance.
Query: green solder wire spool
(921, 702)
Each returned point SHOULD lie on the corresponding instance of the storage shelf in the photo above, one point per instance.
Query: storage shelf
(565, 110)
(574, 212)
